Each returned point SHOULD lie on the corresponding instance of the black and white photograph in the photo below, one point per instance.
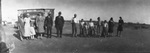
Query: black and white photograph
(74, 26)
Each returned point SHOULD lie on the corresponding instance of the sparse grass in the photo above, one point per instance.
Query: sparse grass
(131, 41)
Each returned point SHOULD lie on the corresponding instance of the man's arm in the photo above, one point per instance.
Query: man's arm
(51, 21)
(45, 21)
(63, 20)
(36, 20)
(55, 21)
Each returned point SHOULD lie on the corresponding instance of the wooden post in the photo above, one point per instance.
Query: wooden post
(0, 14)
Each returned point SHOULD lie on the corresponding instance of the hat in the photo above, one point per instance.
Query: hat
(59, 12)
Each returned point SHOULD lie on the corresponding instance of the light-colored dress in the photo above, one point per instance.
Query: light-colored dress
(40, 24)
(32, 30)
(27, 27)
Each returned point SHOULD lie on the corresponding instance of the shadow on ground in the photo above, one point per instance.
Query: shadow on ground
(17, 35)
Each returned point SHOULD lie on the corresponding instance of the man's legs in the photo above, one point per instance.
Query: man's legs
(118, 32)
(61, 30)
(80, 30)
(57, 31)
(49, 32)
(98, 30)
(91, 31)
(75, 30)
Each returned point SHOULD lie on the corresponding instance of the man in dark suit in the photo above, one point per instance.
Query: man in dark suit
(59, 23)
(48, 24)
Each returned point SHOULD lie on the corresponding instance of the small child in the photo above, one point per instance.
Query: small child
(105, 29)
(32, 30)
(82, 26)
(86, 29)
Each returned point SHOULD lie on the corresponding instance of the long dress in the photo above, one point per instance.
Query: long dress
(110, 26)
(27, 27)
(40, 24)
(120, 25)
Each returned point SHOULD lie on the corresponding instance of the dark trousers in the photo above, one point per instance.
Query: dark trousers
(59, 31)
(91, 31)
(74, 29)
(104, 32)
(49, 31)
(81, 30)
(98, 29)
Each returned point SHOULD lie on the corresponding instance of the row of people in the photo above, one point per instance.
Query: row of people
(102, 28)
(41, 25)
(44, 24)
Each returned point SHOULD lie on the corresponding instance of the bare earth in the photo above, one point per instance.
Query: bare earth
(132, 41)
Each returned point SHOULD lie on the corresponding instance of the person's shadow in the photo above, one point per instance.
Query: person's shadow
(17, 35)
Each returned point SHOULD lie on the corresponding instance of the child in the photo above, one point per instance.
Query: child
(91, 24)
(81, 26)
(105, 29)
(32, 30)
(86, 29)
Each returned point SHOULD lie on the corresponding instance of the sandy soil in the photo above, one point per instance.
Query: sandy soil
(132, 41)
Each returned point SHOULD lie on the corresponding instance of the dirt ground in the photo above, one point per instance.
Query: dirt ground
(132, 41)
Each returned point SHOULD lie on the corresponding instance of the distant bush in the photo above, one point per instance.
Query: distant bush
(136, 27)
(144, 27)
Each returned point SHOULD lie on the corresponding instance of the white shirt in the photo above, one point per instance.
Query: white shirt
(105, 25)
(75, 20)
(82, 23)
(91, 24)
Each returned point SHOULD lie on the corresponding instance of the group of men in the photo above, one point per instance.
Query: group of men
(59, 23)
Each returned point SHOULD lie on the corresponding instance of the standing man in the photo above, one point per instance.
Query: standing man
(120, 26)
(59, 23)
(98, 25)
(74, 25)
(48, 24)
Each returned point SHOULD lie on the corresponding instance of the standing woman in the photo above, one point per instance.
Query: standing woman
(120, 26)
(40, 25)
(111, 26)
(27, 27)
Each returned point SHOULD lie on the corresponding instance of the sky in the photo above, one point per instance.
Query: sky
(130, 10)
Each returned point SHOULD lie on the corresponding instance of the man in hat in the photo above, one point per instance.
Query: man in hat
(59, 23)
(48, 24)
(74, 25)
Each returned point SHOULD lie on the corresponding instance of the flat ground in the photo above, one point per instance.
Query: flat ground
(131, 41)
